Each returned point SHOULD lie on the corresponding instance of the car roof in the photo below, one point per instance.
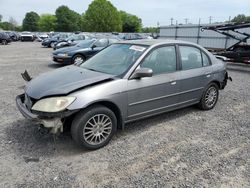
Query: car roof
(151, 42)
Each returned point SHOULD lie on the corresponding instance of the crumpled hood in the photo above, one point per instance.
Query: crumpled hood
(63, 81)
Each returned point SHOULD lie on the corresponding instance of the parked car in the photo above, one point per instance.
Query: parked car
(4, 38)
(125, 82)
(50, 42)
(82, 51)
(71, 41)
(132, 36)
(41, 36)
(27, 36)
(13, 35)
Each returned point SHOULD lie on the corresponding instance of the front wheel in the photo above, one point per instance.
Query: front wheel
(94, 127)
(52, 44)
(209, 97)
(4, 42)
(78, 59)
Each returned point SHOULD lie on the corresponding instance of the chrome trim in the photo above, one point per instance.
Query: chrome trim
(166, 96)
(161, 108)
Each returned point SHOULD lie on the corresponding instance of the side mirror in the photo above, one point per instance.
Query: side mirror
(94, 46)
(142, 72)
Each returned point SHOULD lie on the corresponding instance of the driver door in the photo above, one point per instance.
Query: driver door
(159, 93)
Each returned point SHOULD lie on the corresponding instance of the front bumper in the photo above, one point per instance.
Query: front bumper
(53, 121)
(23, 109)
(45, 43)
(61, 59)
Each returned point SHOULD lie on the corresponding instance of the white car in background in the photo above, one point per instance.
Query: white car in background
(27, 36)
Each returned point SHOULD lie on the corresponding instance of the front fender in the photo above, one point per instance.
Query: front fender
(113, 92)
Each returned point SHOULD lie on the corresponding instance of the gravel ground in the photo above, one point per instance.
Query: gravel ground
(184, 148)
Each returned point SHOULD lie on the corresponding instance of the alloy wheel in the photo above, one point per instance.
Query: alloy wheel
(97, 129)
(78, 60)
(211, 97)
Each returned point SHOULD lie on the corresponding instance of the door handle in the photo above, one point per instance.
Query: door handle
(173, 83)
(208, 74)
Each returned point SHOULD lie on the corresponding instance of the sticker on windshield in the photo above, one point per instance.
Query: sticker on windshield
(137, 48)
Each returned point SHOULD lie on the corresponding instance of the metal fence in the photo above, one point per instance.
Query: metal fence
(194, 33)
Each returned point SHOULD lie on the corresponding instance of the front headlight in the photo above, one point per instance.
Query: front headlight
(63, 55)
(53, 104)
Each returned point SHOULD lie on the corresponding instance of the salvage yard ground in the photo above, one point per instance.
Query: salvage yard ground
(184, 148)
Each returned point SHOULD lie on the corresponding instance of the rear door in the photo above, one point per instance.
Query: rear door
(195, 73)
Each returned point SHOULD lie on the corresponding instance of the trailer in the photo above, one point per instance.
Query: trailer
(227, 41)
(240, 50)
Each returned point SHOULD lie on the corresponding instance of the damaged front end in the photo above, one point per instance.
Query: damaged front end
(51, 121)
(47, 97)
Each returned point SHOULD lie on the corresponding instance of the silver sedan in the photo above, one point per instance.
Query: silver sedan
(124, 82)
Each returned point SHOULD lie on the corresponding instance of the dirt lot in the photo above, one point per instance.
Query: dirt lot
(185, 148)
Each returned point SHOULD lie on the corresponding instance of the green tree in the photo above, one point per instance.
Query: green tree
(7, 26)
(1, 17)
(30, 22)
(67, 20)
(102, 16)
(241, 18)
(130, 23)
(47, 22)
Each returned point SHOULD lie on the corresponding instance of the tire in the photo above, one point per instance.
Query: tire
(86, 124)
(4, 42)
(50, 44)
(209, 97)
(78, 59)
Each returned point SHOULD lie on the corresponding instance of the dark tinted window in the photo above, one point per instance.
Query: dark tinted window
(85, 44)
(161, 60)
(190, 57)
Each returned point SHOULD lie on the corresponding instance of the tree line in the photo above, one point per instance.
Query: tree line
(101, 16)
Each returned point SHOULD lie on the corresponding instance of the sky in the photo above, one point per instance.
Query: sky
(150, 11)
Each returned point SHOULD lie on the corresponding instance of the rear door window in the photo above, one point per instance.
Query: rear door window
(190, 57)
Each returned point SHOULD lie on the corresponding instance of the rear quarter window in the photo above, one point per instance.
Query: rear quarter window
(205, 59)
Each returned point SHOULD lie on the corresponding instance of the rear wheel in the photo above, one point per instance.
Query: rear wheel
(78, 59)
(209, 97)
(94, 127)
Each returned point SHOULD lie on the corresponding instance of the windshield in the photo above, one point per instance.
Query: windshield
(115, 60)
(71, 37)
(85, 43)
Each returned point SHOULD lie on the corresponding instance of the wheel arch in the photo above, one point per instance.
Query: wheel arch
(78, 53)
(113, 107)
(217, 83)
